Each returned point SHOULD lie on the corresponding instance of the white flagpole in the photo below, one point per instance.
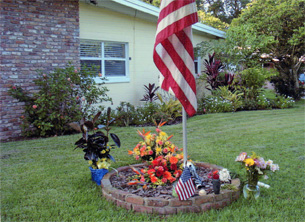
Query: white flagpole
(184, 136)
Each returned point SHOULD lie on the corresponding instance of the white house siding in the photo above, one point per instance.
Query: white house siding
(102, 24)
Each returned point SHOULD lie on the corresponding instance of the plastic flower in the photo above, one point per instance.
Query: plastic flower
(249, 162)
(224, 175)
(242, 156)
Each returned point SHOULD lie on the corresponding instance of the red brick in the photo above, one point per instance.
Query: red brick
(120, 195)
(40, 17)
(142, 209)
(206, 207)
(134, 199)
(204, 199)
(175, 202)
(189, 209)
(156, 202)
(165, 210)
(127, 206)
(109, 197)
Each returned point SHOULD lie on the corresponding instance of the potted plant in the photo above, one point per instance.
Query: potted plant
(96, 146)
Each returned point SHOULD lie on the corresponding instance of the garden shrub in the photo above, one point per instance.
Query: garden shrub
(214, 104)
(227, 95)
(250, 81)
(282, 102)
(63, 96)
(126, 114)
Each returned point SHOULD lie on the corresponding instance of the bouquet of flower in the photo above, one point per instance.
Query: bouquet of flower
(256, 167)
(153, 145)
(165, 164)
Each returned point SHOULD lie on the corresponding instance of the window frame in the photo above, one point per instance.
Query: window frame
(102, 59)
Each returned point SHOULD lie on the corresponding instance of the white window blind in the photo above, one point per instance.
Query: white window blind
(111, 58)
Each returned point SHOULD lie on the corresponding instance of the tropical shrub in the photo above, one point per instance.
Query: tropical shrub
(227, 95)
(168, 110)
(63, 96)
(150, 95)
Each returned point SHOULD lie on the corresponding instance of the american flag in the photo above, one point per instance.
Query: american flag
(173, 51)
(185, 187)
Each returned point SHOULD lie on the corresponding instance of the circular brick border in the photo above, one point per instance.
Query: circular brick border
(163, 206)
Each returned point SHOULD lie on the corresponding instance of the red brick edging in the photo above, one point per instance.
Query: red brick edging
(163, 206)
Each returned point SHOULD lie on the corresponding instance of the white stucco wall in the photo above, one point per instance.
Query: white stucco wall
(101, 24)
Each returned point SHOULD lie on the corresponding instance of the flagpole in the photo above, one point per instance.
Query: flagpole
(184, 136)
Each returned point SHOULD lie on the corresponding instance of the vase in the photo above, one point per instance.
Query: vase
(97, 175)
(216, 186)
(251, 192)
(251, 189)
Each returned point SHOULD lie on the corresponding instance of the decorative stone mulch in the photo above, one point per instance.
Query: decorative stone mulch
(121, 179)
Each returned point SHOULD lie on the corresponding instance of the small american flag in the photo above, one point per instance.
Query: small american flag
(185, 187)
(173, 50)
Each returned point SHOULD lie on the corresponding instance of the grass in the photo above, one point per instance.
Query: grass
(45, 180)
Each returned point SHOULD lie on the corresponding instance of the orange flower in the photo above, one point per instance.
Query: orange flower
(153, 179)
(167, 175)
(173, 160)
(130, 152)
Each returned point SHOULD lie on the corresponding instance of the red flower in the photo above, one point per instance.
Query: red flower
(164, 180)
(153, 179)
(215, 175)
(173, 167)
(167, 175)
(177, 173)
(160, 171)
(142, 179)
(151, 172)
(173, 160)
(34, 106)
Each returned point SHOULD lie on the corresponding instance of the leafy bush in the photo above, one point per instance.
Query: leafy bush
(63, 96)
(250, 81)
(126, 114)
(169, 109)
(282, 102)
(233, 97)
(214, 104)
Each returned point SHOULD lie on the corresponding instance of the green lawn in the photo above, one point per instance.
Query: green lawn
(46, 180)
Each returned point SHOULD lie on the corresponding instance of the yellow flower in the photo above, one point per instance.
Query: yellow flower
(103, 165)
(249, 162)
(158, 150)
(103, 151)
(148, 148)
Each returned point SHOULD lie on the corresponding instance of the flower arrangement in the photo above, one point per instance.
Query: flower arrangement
(153, 145)
(256, 167)
(165, 163)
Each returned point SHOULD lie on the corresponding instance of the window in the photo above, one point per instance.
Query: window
(111, 57)
(197, 66)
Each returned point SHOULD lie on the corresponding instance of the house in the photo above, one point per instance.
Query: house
(117, 35)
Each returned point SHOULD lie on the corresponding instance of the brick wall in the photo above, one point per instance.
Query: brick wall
(35, 34)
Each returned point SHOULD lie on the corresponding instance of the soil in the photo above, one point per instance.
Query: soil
(120, 180)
